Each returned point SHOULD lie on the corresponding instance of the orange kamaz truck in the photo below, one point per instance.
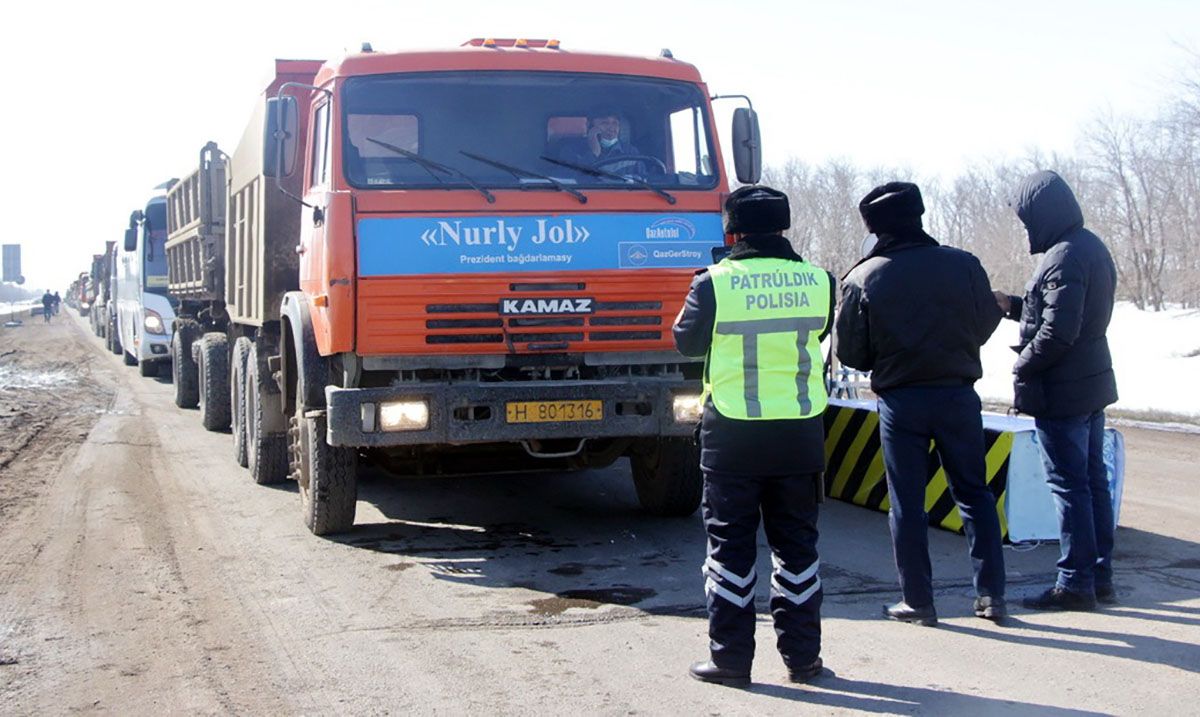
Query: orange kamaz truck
(464, 260)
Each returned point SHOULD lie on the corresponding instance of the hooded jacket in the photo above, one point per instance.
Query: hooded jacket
(727, 445)
(913, 312)
(1063, 366)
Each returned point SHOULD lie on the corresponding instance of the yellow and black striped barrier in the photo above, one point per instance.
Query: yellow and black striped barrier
(1015, 471)
(854, 467)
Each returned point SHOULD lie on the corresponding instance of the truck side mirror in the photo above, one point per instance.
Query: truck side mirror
(279, 137)
(131, 239)
(747, 146)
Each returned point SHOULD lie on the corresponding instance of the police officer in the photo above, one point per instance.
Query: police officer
(758, 316)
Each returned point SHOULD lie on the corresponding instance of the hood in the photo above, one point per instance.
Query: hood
(1048, 209)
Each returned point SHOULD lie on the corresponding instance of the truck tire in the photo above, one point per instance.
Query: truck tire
(327, 475)
(214, 382)
(268, 452)
(114, 340)
(183, 367)
(148, 369)
(237, 399)
(668, 478)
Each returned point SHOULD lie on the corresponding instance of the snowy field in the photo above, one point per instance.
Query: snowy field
(1150, 354)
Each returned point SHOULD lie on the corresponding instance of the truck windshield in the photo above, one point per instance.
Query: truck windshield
(636, 130)
(154, 254)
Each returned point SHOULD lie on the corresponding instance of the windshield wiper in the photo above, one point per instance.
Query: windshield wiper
(612, 175)
(517, 172)
(431, 166)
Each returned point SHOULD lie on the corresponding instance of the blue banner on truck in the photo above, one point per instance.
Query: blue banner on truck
(563, 242)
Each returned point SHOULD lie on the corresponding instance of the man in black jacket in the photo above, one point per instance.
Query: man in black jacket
(1064, 379)
(914, 314)
(759, 317)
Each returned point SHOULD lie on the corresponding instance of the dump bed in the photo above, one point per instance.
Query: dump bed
(263, 223)
(196, 230)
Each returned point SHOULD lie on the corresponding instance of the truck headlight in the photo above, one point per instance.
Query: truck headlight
(687, 408)
(153, 323)
(84, 305)
(404, 415)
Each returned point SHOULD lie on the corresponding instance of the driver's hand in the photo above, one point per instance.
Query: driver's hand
(593, 138)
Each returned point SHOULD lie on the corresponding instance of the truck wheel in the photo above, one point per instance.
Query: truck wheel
(327, 475)
(214, 382)
(183, 366)
(148, 369)
(268, 452)
(237, 398)
(668, 478)
(114, 341)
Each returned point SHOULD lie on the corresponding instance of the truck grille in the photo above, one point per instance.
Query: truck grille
(525, 329)
(631, 312)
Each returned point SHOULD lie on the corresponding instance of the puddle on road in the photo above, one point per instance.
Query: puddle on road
(589, 599)
(574, 569)
(16, 377)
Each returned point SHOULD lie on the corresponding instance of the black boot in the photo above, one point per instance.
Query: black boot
(805, 674)
(1057, 598)
(991, 608)
(1106, 595)
(902, 612)
(708, 672)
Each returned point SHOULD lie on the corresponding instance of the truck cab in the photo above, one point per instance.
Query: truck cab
(493, 244)
(144, 312)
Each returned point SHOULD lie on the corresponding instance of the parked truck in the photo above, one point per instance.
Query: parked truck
(112, 339)
(102, 279)
(144, 314)
(420, 255)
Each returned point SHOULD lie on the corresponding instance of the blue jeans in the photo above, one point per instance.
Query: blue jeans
(1073, 452)
(950, 417)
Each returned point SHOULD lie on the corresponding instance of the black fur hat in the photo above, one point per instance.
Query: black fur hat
(892, 206)
(757, 210)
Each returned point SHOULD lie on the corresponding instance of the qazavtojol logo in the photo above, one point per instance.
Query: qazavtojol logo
(671, 228)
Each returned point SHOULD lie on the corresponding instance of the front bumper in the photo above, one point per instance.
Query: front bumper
(632, 408)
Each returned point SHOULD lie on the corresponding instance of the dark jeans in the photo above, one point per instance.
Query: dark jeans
(909, 419)
(1073, 452)
(787, 507)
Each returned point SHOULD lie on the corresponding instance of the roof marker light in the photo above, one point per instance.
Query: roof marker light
(521, 43)
(489, 42)
(552, 45)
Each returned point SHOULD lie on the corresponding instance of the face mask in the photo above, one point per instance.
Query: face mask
(868, 244)
(606, 143)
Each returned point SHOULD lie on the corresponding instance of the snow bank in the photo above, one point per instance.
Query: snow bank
(1149, 351)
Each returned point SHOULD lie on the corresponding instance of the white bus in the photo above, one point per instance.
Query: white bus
(144, 311)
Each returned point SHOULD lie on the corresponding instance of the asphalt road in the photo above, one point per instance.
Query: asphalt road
(143, 572)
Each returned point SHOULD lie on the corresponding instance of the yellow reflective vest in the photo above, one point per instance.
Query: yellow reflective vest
(765, 362)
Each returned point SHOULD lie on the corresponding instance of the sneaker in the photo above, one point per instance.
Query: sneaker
(902, 612)
(1057, 598)
(707, 671)
(1106, 595)
(991, 608)
(801, 675)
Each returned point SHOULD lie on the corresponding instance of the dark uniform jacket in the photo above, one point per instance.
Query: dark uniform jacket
(1064, 367)
(728, 445)
(915, 313)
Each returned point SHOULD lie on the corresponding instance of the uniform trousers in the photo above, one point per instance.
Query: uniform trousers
(732, 508)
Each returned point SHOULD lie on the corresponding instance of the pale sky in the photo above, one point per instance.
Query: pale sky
(106, 100)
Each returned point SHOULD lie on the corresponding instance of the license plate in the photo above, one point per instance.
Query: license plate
(553, 411)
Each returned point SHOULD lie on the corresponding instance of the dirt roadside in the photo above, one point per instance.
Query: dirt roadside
(50, 397)
(142, 572)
